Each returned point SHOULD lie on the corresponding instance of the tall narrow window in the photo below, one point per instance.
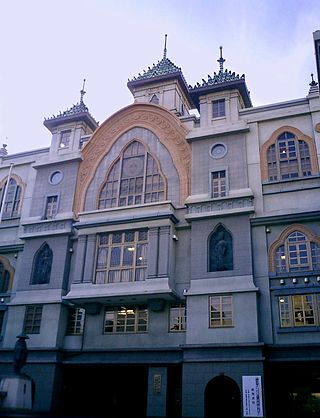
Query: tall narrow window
(32, 319)
(220, 252)
(288, 158)
(65, 139)
(42, 263)
(51, 207)
(218, 108)
(134, 178)
(2, 313)
(177, 318)
(76, 320)
(297, 253)
(126, 320)
(221, 311)
(4, 279)
(219, 184)
(12, 200)
(122, 257)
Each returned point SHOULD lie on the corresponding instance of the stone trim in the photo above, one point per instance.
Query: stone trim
(281, 240)
(164, 124)
(300, 136)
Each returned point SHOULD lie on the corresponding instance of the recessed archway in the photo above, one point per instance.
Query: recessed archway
(222, 398)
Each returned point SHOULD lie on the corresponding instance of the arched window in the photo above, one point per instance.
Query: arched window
(220, 250)
(134, 178)
(297, 253)
(42, 263)
(12, 199)
(4, 278)
(288, 158)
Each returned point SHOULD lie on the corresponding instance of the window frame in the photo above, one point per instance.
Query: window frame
(272, 141)
(177, 317)
(122, 323)
(293, 313)
(65, 142)
(76, 321)
(35, 326)
(279, 256)
(221, 302)
(219, 183)
(54, 209)
(121, 251)
(220, 111)
(122, 190)
(15, 201)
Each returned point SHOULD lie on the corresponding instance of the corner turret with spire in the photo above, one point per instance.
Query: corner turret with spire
(162, 84)
(70, 127)
(219, 98)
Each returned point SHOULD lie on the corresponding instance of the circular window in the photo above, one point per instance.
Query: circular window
(218, 151)
(55, 177)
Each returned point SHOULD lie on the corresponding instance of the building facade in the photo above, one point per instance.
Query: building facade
(167, 264)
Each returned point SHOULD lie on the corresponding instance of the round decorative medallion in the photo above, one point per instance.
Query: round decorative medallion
(218, 150)
(55, 177)
(317, 128)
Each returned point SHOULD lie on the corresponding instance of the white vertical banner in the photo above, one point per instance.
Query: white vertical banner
(252, 396)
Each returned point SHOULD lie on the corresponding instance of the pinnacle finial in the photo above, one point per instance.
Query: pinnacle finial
(221, 60)
(165, 47)
(313, 83)
(82, 92)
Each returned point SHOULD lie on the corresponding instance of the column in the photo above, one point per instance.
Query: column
(164, 247)
(90, 258)
(157, 392)
(80, 257)
(153, 246)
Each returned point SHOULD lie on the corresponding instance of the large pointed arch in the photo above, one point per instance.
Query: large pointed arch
(163, 123)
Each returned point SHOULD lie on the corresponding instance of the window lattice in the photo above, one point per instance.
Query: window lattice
(299, 310)
(12, 200)
(297, 254)
(122, 257)
(126, 320)
(32, 320)
(288, 158)
(134, 179)
(177, 318)
(221, 311)
(76, 320)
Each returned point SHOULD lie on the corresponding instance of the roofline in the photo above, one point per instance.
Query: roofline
(239, 84)
(176, 75)
(60, 120)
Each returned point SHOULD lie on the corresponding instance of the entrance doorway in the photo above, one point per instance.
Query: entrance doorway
(222, 398)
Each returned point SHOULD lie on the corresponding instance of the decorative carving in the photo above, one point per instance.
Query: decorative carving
(165, 125)
(220, 250)
(317, 127)
(221, 205)
(52, 226)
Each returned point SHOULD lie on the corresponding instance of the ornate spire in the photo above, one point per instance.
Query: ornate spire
(82, 92)
(165, 47)
(221, 60)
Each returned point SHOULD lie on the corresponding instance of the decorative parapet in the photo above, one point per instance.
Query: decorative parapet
(219, 208)
(43, 228)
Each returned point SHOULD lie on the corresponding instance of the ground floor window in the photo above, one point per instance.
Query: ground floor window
(32, 319)
(177, 320)
(76, 319)
(299, 310)
(126, 319)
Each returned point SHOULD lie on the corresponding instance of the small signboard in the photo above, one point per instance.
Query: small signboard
(157, 384)
(252, 396)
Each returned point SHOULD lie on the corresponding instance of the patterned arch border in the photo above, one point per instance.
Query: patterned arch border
(9, 268)
(300, 136)
(281, 240)
(163, 123)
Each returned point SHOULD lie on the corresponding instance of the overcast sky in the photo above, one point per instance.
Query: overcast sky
(48, 47)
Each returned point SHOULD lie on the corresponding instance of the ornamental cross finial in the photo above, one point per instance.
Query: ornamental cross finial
(82, 92)
(165, 47)
(221, 60)
(313, 83)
